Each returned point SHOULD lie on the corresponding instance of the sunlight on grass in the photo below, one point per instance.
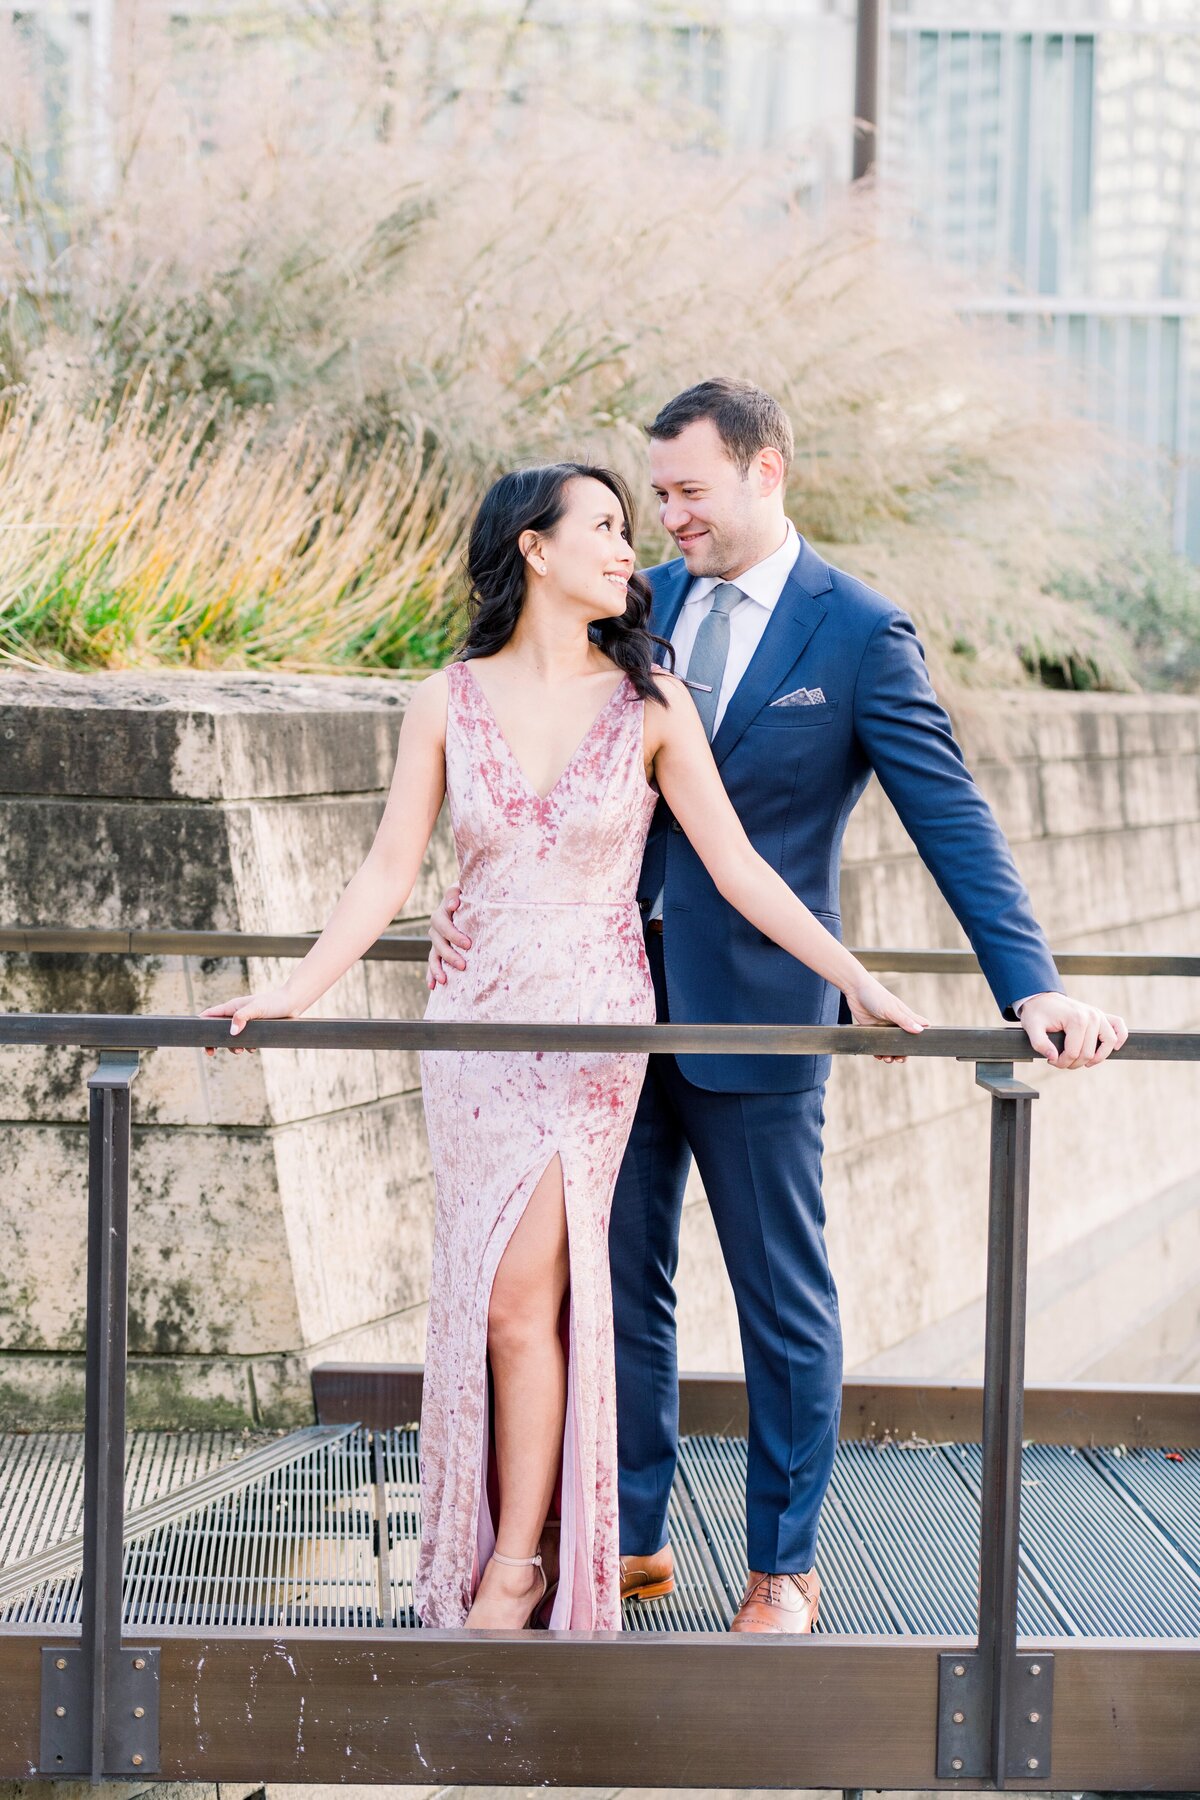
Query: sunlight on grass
(246, 410)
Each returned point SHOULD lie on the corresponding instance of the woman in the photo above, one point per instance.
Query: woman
(552, 736)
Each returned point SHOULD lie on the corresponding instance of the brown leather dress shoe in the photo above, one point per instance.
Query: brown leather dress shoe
(648, 1577)
(779, 1603)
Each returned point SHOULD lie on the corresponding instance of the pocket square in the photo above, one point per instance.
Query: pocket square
(802, 697)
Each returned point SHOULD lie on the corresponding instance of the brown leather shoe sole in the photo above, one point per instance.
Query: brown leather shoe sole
(657, 1575)
(653, 1590)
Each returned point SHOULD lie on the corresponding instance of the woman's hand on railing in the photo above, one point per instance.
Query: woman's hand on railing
(272, 1003)
(871, 1003)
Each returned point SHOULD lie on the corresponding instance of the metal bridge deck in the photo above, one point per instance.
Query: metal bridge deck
(321, 1528)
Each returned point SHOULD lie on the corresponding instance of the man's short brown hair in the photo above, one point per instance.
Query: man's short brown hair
(747, 419)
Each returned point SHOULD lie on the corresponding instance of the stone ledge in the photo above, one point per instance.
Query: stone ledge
(183, 735)
(45, 1393)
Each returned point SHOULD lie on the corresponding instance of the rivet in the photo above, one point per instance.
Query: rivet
(957, 1763)
(60, 1712)
(139, 1712)
(137, 1761)
(139, 1662)
(60, 1662)
(1032, 1763)
(1035, 1668)
(958, 1669)
(1035, 1718)
(958, 1718)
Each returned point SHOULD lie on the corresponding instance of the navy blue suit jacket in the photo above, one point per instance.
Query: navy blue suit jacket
(794, 775)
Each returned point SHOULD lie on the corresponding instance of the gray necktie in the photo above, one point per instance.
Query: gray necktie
(710, 653)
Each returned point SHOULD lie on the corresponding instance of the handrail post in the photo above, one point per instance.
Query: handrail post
(90, 1691)
(110, 1097)
(987, 1725)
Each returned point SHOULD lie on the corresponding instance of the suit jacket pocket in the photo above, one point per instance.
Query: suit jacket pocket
(791, 718)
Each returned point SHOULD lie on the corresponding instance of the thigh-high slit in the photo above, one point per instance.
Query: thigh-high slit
(549, 886)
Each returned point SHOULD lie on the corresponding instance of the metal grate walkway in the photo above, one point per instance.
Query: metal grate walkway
(321, 1529)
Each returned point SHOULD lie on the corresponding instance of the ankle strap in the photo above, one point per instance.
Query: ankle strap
(517, 1562)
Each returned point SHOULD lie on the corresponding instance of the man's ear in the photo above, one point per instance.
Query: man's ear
(771, 471)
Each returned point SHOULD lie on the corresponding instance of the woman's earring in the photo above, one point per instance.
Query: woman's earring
(540, 567)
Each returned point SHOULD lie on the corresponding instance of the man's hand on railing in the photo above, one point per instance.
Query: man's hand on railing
(1089, 1035)
(272, 1003)
(448, 942)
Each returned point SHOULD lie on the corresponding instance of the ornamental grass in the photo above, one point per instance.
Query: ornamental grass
(248, 403)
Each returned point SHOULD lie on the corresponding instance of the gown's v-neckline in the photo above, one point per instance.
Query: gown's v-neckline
(512, 755)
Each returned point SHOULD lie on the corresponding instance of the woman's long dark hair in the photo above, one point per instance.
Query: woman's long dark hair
(535, 500)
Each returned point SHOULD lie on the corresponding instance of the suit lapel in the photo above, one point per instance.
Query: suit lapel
(668, 587)
(797, 613)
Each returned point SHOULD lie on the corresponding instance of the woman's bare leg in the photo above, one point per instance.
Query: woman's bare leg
(529, 1388)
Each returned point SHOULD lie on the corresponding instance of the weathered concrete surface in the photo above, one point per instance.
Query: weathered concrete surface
(1100, 798)
(282, 1203)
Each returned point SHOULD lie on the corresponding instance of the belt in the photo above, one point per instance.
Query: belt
(656, 926)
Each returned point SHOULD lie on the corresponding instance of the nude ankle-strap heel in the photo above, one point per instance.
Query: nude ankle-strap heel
(541, 1617)
(525, 1562)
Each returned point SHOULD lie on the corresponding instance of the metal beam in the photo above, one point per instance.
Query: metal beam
(107, 1344)
(383, 1395)
(1086, 1414)
(995, 1707)
(866, 89)
(187, 1032)
(448, 1707)
(90, 1690)
(401, 947)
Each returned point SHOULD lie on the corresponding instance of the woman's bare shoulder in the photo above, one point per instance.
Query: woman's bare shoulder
(669, 723)
(672, 687)
(675, 694)
(428, 701)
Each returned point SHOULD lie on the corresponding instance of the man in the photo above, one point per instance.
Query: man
(807, 681)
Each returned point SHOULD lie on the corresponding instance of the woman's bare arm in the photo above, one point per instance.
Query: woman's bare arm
(378, 891)
(688, 779)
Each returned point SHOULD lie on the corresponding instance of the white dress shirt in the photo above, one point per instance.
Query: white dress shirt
(761, 586)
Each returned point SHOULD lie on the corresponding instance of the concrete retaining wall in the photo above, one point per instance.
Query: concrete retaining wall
(282, 1203)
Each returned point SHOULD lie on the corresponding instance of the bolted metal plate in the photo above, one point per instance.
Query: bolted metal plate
(65, 1715)
(131, 1737)
(964, 1741)
(1030, 1717)
(964, 1721)
(131, 1746)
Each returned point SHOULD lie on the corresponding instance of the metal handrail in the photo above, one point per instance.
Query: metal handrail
(406, 947)
(982, 1733)
(135, 1031)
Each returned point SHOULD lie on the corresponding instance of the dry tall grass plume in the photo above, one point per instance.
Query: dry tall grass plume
(342, 279)
(149, 537)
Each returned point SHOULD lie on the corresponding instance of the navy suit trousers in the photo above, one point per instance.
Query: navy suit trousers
(759, 1156)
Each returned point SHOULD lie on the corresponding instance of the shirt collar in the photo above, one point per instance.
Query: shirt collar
(764, 582)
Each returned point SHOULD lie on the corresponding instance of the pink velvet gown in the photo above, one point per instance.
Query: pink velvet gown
(549, 886)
